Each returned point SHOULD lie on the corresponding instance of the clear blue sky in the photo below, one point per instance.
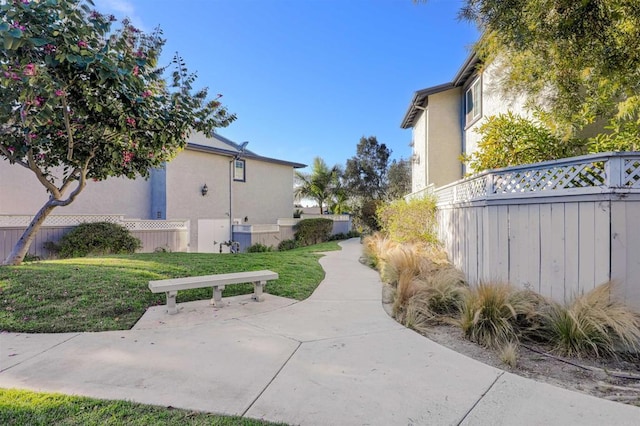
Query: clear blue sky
(309, 78)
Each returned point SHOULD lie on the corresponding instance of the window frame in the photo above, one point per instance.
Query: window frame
(473, 92)
(242, 173)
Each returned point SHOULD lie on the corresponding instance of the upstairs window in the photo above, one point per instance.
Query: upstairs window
(473, 102)
(239, 170)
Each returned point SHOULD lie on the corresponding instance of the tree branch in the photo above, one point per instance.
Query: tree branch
(41, 177)
(67, 125)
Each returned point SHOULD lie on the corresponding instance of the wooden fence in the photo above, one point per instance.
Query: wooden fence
(170, 235)
(559, 228)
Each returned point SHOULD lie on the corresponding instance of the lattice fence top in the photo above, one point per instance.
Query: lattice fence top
(10, 221)
(605, 172)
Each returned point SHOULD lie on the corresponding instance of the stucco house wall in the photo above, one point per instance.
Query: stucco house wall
(22, 194)
(444, 138)
(175, 191)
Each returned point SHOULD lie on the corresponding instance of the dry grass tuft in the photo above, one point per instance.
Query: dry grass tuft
(374, 246)
(509, 354)
(592, 325)
(491, 313)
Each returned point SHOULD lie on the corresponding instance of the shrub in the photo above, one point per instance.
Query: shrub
(313, 231)
(409, 221)
(258, 248)
(287, 245)
(338, 237)
(491, 313)
(98, 238)
(592, 325)
(510, 140)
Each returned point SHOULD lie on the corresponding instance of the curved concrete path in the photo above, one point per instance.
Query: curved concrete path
(333, 359)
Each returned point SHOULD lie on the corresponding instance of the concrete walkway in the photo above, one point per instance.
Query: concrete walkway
(333, 359)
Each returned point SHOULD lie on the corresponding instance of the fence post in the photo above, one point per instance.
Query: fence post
(614, 168)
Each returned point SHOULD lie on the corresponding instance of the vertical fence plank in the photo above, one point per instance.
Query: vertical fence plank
(587, 254)
(602, 242)
(557, 251)
(532, 278)
(546, 257)
(571, 250)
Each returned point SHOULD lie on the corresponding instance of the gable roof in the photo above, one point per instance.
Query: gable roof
(421, 97)
(217, 144)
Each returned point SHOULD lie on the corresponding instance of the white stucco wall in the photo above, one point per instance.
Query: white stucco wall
(22, 194)
(419, 163)
(494, 102)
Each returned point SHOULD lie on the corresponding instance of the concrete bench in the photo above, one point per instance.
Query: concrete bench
(217, 282)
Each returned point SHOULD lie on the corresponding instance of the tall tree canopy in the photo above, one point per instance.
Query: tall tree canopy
(81, 100)
(320, 185)
(399, 179)
(366, 174)
(579, 60)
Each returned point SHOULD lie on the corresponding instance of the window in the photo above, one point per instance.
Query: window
(473, 102)
(239, 170)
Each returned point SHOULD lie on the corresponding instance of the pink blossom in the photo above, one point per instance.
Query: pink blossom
(41, 156)
(136, 70)
(11, 149)
(146, 93)
(131, 122)
(17, 25)
(59, 133)
(59, 92)
(127, 156)
(82, 44)
(38, 101)
(49, 48)
(140, 54)
(29, 70)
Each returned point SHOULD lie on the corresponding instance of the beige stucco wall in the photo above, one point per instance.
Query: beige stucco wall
(265, 196)
(444, 138)
(22, 194)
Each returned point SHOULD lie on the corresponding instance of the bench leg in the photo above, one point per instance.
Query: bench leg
(258, 286)
(217, 296)
(171, 302)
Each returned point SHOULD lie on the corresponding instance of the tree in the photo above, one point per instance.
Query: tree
(320, 184)
(399, 179)
(578, 60)
(365, 174)
(82, 101)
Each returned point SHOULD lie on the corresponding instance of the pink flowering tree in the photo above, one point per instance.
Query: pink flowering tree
(83, 100)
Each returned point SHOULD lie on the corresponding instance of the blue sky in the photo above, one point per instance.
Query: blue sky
(309, 78)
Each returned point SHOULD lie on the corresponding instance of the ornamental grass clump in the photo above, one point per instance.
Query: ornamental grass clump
(593, 325)
(492, 313)
(373, 248)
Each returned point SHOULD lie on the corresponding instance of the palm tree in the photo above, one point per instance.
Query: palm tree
(319, 185)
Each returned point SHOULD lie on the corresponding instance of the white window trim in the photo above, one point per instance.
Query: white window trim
(476, 85)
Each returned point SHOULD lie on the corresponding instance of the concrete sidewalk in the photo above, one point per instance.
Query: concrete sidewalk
(334, 359)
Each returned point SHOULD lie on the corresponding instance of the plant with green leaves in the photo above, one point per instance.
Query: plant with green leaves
(96, 239)
(319, 185)
(578, 60)
(82, 100)
(510, 140)
(313, 231)
(409, 221)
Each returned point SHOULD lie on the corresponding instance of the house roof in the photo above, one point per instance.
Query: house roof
(421, 97)
(228, 148)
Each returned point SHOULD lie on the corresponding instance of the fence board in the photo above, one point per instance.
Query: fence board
(571, 250)
(587, 255)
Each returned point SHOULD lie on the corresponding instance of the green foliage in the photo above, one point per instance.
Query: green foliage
(96, 239)
(409, 221)
(399, 179)
(365, 215)
(366, 174)
(112, 293)
(510, 140)
(313, 231)
(343, 236)
(319, 185)
(592, 325)
(82, 100)
(259, 248)
(287, 245)
(580, 60)
(22, 407)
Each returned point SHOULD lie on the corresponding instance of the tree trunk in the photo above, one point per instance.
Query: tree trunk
(22, 246)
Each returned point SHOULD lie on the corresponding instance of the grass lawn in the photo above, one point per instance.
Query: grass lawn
(18, 407)
(111, 292)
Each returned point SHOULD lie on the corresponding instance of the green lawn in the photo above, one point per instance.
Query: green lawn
(111, 292)
(18, 407)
